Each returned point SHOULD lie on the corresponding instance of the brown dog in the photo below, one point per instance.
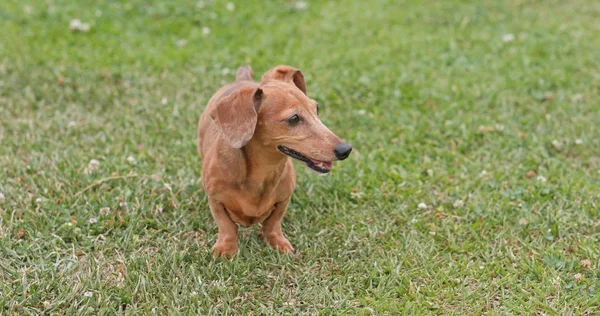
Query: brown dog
(245, 137)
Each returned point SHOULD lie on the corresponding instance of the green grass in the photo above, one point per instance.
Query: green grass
(441, 106)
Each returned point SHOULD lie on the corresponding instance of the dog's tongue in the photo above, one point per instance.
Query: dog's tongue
(323, 164)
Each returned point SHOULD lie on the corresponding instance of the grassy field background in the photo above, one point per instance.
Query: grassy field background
(473, 187)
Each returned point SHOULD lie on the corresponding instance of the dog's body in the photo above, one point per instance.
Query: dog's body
(245, 136)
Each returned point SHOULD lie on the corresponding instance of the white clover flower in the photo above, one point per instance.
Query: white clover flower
(523, 221)
(88, 294)
(422, 206)
(104, 211)
(557, 144)
(300, 5)
(357, 194)
(230, 6)
(200, 4)
(77, 25)
(1, 197)
(578, 141)
(123, 204)
(130, 159)
(93, 220)
(541, 179)
(458, 204)
(508, 37)
(92, 166)
(181, 43)
(164, 101)
(205, 30)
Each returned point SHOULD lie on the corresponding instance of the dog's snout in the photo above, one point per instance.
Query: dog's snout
(342, 151)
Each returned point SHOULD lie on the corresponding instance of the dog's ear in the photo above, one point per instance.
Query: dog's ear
(287, 74)
(236, 115)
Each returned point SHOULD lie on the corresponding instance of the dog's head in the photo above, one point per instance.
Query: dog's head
(279, 115)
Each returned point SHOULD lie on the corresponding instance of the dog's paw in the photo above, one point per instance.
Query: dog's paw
(281, 243)
(224, 250)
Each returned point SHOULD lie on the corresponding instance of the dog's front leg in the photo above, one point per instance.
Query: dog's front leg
(271, 228)
(227, 238)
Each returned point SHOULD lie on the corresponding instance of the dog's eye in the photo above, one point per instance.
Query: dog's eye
(317, 109)
(294, 120)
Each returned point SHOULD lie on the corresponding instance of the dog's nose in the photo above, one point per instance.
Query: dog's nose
(342, 151)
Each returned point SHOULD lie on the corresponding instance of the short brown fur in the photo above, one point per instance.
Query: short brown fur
(247, 179)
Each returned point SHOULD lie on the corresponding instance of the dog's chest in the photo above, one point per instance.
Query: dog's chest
(248, 209)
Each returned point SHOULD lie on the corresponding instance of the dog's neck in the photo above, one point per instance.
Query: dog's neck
(263, 163)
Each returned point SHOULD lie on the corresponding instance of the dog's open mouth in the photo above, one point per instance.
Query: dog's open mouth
(316, 165)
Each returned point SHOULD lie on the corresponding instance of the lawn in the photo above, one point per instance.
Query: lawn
(473, 187)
